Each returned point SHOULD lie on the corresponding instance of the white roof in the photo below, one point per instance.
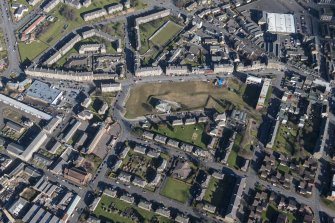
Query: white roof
(280, 23)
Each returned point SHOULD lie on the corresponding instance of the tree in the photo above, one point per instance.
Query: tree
(67, 12)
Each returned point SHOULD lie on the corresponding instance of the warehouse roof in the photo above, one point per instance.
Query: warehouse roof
(43, 92)
(280, 23)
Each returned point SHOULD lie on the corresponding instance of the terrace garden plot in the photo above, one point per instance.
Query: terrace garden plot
(286, 139)
(140, 165)
(193, 134)
(115, 210)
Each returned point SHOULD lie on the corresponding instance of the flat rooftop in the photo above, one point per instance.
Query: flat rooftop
(280, 23)
(43, 92)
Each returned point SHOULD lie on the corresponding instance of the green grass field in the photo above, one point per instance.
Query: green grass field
(32, 50)
(181, 92)
(120, 205)
(58, 29)
(234, 152)
(147, 30)
(166, 34)
(193, 134)
(176, 190)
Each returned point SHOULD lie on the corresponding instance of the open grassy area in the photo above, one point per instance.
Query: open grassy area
(212, 187)
(234, 152)
(200, 92)
(122, 206)
(193, 134)
(147, 30)
(286, 139)
(31, 50)
(166, 34)
(54, 31)
(176, 190)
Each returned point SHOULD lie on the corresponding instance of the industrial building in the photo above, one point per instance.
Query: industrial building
(280, 23)
(23, 107)
(43, 92)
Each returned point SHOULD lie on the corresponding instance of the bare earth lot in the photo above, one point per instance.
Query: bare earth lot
(190, 95)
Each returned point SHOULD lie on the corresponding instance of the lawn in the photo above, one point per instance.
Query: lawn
(176, 190)
(26, 51)
(181, 92)
(234, 152)
(211, 194)
(166, 34)
(120, 205)
(193, 134)
(286, 139)
(147, 30)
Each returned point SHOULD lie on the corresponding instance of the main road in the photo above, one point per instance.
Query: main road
(10, 39)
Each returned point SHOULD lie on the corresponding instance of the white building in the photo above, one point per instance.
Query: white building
(280, 23)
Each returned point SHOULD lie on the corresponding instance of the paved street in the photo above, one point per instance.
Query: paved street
(10, 39)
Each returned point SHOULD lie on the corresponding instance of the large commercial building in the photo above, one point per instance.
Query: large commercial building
(43, 92)
(23, 107)
(280, 23)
